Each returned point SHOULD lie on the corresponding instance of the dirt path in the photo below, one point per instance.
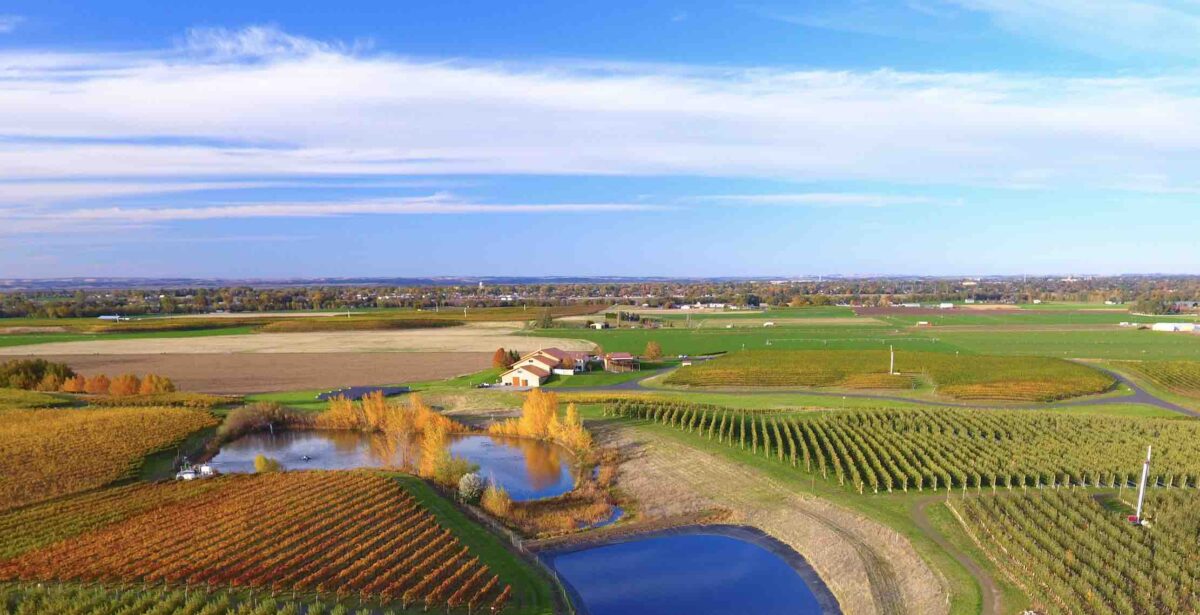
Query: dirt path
(869, 567)
(990, 594)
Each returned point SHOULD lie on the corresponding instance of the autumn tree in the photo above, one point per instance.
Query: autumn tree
(153, 383)
(97, 385)
(501, 359)
(653, 351)
(74, 384)
(124, 385)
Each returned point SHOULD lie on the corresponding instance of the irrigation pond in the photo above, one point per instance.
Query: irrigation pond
(706, 570)
(528, 469)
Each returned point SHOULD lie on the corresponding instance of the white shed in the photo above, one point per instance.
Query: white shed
(525, 376)
(1174, 327)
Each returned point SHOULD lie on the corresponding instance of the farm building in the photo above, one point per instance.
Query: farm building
(945, 306)
(532, 369)
(1174, 327)
(620, 362)
(525, 376)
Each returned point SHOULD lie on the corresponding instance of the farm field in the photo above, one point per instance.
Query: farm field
(54, 452)
(335, 533)
(474, 337)
(977, 377)
(1181, 377)
(1026, 317)
(902, 450)
(1074, 555)
(240, 373)
(1057, 341)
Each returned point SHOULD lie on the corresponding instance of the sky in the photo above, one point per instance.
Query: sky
(649, 138)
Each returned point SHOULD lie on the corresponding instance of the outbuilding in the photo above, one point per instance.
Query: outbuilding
(1174, 327)
(525, 376)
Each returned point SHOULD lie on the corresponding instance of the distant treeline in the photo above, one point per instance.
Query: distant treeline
(1146, 294)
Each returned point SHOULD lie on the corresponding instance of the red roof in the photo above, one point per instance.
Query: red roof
(535, 370)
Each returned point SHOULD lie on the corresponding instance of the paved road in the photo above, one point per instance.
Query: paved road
(989, 593)
(1139, 396)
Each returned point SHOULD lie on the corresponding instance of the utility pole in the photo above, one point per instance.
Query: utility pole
(1137, 519)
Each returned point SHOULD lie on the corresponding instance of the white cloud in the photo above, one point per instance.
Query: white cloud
(18, 221)
(257, 42)
(8, 23)
(306, 109)
(827, 199)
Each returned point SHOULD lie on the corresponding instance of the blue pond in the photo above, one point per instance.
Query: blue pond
(697, 572)
(528, 469)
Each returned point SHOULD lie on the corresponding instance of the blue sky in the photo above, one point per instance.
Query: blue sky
(269, 139)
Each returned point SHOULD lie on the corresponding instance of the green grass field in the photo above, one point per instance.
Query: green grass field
(1063, 317)
(1114, 343)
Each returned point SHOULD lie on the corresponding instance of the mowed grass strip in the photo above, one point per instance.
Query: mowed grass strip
(977, 377)
(53, 452)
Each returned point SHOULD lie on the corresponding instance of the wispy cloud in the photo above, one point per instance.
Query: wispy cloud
(259, 42)
(1111, 27)
(827, 199)
(180, 115)
(18, 221)
(8, 23)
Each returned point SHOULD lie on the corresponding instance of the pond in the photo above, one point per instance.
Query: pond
(700, 571)
(528, 469)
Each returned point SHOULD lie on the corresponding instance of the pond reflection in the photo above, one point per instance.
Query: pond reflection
(528, 469)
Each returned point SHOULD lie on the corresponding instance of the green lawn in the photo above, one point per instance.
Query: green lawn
(598, 378)
(533, 592)
(307, 399)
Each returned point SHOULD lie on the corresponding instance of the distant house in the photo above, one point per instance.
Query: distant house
(599, 325)
(620, 362)
(1174, 327)
(945, 306)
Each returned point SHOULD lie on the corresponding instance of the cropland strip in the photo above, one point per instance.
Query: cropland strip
(474, 337)
(243, 373)
(870, 568)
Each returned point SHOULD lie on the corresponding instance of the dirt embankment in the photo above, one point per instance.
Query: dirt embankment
(869, 567)
(263, 373)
